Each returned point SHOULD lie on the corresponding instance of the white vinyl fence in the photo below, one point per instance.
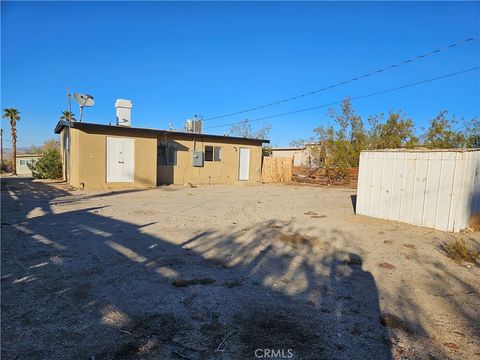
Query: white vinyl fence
(438, 189)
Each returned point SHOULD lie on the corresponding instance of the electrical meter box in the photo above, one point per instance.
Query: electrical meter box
(197, 158)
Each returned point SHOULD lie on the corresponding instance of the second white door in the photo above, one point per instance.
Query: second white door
(244, 167)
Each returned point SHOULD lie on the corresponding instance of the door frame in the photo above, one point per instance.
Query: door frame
(132, 140)
(240, 163)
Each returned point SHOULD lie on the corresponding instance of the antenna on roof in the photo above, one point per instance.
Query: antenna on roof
(69, 99)
(83, 100)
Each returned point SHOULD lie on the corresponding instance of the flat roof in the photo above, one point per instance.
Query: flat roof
(29, 155)
(136, 130)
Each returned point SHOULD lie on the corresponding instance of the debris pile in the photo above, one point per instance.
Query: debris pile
(319, 176)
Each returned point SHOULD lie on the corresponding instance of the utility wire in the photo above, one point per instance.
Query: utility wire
(352, 98)
(372, 73)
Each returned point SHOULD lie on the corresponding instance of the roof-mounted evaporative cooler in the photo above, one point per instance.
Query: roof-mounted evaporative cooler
(123, 110)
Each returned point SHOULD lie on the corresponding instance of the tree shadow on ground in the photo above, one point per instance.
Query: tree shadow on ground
(76, 284)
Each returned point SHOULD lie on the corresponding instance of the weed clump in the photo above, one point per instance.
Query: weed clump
(474, 222)
(459, 251)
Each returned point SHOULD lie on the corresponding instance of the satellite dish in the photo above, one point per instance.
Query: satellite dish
(83, 100)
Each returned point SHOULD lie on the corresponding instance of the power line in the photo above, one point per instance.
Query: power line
(352, 98)
(407, 61)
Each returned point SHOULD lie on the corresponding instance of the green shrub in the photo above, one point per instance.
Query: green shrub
(49, 166)
(6, 166)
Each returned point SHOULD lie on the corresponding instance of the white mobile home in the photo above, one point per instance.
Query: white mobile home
(22, 163)
(302, 156)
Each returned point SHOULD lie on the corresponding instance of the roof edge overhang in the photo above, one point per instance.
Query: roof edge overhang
(100, 127)
(19, 155)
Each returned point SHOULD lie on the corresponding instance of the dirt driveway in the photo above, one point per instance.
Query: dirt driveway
(225, 272)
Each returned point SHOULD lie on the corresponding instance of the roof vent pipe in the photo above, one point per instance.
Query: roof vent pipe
(123, 110)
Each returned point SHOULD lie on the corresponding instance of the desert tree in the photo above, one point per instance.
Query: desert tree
(397, 131)
(68, 116)
(244, 129)
(13, 115)
(340, 145)
(351, 134)
(441, 135)
(472, 133)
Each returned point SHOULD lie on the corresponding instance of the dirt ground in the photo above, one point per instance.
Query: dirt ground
(226, 272)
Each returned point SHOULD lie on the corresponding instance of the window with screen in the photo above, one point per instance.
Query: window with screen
(213, 153)
(166, 154)
(217, 153)
(22, 162)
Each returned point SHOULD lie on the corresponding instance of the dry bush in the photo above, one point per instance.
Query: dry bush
(474, 222)
(458, 250)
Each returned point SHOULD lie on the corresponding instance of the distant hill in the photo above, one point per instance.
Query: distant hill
(7, 152)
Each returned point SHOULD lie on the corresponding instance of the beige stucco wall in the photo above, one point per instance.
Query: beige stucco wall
(212, 172)
(73, 172)
(88, 160)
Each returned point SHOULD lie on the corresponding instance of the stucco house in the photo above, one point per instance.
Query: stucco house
(113, 156)
(22, 163)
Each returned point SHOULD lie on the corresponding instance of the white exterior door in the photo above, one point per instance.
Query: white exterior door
(244, 164)
(120, 159)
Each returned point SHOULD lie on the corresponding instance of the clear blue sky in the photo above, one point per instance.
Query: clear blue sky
(177, 59)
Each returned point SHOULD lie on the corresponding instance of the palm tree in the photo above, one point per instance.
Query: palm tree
(14, 116)
(68, 116)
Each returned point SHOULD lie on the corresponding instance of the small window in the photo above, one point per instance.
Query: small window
(208, 153)
(213, 153)
(217, 153)
(166, 154)
(22, 162)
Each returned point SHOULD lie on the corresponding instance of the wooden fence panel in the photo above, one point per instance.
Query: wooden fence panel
(277, 169)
